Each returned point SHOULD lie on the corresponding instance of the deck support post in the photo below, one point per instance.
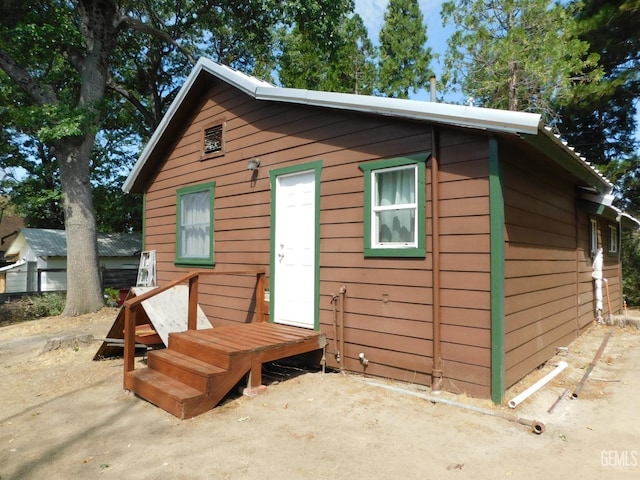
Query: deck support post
(192, 315)
(260, 297)
(129, 338)
(255, 375)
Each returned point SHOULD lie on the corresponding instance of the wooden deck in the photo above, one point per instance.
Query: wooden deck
(200, 367)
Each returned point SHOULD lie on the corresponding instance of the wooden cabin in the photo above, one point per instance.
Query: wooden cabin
(444, 245)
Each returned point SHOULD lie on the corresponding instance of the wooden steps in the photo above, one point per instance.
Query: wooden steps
(200, 367)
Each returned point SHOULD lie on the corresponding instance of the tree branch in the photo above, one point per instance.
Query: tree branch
(41, 94)
(112, 84)
(73, 56)
(144, 28)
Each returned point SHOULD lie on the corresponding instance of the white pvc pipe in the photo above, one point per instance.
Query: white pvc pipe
(538, 385)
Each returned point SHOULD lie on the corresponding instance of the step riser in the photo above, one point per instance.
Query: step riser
(199, 349)
(158, 397)
(194, 379)
(193, 406)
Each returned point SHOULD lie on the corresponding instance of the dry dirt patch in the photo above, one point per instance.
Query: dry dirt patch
(66, 416)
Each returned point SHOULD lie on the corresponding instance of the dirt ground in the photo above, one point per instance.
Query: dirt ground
(65, 416)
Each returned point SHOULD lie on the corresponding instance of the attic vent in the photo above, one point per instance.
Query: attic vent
(213, 137)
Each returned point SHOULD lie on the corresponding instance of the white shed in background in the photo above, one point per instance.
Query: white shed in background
(40, 257)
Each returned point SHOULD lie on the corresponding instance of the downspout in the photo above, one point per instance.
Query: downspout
(436, 372)
(623, 303)
(343, 293)
(497, 226)
(577, 267)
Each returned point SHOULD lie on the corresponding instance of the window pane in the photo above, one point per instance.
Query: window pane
(195, 225)
(396, 226)
(395, 187)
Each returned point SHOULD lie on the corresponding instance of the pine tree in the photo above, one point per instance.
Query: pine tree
(404, 62)
(599, 119)
(515, 54)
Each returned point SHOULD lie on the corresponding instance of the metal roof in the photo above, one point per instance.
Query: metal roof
(523, 124)
(53, 243)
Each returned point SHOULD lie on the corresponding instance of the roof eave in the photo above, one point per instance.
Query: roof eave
(527, 125)
(564, 155)
(237, 79)
(458, 115)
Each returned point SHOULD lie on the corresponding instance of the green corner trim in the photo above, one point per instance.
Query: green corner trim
(316, 166)
(496, 205)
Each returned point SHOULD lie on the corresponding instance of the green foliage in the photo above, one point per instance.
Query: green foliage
(358, 58)
(630, 258)
(600, 117)
(146, 69)
(111, 297)
(47, 305)
(404, 59)
(317, 45)
(515, 54)
(32, 307)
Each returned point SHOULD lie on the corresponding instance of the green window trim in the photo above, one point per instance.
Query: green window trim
(187, 261)
(418, 250)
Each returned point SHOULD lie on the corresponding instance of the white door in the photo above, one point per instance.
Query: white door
(294, 266)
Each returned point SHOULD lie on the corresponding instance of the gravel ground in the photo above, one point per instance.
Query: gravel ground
(65, 416)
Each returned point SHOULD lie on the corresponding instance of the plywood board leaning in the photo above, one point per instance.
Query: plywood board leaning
(168, 311)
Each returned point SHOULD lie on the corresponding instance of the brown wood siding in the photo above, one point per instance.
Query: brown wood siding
(548, 285)
(388, 305)
(465, 263)
(396, 334)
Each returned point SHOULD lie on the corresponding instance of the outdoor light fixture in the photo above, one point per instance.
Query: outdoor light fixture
(253, 164)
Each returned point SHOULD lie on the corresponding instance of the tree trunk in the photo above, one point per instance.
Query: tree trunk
(84, 290)
(513, 85)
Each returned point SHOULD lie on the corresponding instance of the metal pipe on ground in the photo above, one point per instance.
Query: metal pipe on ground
(558, 400)
(538, 385)
(536, 426)
(597, 356)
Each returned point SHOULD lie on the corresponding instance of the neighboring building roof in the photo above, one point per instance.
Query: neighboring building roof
(523, 124)
(12, 266)
(53, 243)
(9, 227)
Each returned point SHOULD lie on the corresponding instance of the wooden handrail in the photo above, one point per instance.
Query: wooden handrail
(130, 306)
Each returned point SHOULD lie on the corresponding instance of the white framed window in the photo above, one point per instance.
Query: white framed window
(194, 225)
(394, 217)
(613, 239)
